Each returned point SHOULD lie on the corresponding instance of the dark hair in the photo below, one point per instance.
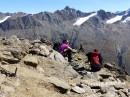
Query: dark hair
(64, 41)
(95, 50)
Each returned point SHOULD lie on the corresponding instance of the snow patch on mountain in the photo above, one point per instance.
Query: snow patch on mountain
(113, 20)
(4, 19)
(126, 20)
(81, 20)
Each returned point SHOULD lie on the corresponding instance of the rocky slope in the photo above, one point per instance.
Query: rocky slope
(34, 69)
(109, 30)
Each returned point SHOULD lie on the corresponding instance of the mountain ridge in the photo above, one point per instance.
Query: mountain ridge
(58, 25)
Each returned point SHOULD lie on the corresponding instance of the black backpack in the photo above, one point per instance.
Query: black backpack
(56, 46)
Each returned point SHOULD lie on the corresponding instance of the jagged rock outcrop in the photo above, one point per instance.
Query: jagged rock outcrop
(31, 60)
(37, 75)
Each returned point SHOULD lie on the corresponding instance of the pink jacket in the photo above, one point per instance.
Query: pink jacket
(63, 46)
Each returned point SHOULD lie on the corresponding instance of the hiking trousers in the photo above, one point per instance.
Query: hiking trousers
(95, 67)
(68, 53)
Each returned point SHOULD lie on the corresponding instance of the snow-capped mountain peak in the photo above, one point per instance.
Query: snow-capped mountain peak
(81, 20)
(126, 20)
(4, 19)
(114, 19)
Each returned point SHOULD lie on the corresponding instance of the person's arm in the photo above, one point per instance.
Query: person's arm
(89, 57)
(100, 59)
(73, 50)
(70, 48)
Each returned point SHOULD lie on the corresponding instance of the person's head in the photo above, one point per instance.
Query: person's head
(65, 41)
(95, 50)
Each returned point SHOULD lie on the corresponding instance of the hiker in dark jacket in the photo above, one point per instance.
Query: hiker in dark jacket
(95, 60)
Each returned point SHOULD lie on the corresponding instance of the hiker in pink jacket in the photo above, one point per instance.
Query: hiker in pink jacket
(66, 50)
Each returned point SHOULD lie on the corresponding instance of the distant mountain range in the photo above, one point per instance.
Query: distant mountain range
(107, 31)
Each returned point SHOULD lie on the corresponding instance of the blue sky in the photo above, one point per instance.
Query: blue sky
(35, 6)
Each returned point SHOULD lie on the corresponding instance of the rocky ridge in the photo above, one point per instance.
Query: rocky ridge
(34, 69)
(109, 30)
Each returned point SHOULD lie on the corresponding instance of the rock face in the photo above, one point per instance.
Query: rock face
(109, 66)
(39, 50)
(78, 90)
(52, 75)
(8, 57)
(31, 60)
(59, 83)
(54, 55)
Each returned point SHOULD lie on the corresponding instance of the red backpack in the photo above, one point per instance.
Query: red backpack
(95, 58)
